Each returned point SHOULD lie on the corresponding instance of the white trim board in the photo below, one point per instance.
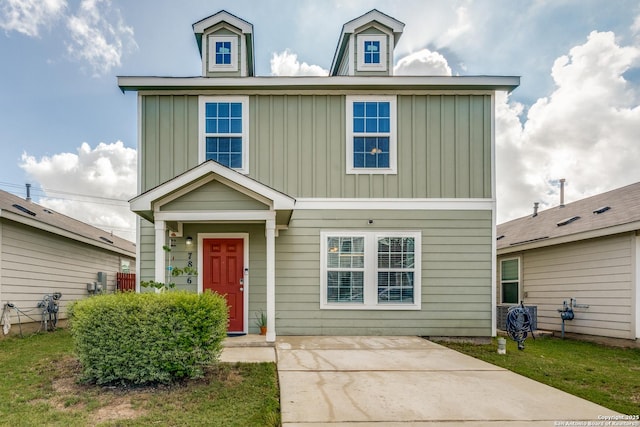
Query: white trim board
(394, 204)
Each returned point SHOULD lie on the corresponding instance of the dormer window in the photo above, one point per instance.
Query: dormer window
(372, 52)
(223, 53)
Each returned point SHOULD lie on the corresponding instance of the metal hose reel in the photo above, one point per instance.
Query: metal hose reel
(519, 324)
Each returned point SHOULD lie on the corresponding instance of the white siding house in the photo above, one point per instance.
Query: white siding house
(588, 253)
(43, 251)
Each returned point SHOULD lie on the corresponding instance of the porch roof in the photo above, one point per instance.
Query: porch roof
(147, 205)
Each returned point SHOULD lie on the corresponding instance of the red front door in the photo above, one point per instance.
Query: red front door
(223, 265)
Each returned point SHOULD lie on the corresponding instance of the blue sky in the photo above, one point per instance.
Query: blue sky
(66, 128)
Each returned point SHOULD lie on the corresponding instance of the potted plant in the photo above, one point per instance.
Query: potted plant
(261, 322)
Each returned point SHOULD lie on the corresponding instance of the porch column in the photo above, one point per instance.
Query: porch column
(271, 279)
(160, 242)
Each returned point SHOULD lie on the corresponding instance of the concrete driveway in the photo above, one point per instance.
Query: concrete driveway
(399, 381)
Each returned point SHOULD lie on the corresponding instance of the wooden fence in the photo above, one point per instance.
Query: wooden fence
(126, 282)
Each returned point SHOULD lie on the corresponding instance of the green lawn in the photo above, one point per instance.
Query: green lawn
(39, 387)
(607, 376)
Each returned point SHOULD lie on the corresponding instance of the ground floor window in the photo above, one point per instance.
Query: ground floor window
(370, 270)
(510, 280)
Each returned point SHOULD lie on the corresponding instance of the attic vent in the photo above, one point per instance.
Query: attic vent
(529, 241)
(500, 237)
(601, 210)
(106, 240)
(568, 221)
(23, 209)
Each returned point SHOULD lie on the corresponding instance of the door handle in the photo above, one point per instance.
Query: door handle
(242, 281)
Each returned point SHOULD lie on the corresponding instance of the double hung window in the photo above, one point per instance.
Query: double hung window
(370, 270)
(371, 134)
(223, 130)
(510, 280)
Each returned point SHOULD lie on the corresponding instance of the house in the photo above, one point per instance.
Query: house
(43, 252)
(585, 253)
(356, 203)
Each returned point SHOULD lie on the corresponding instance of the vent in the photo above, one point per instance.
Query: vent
(23, 209)
(106, 240)
(601, 210)
(529, 241)
(568, 221)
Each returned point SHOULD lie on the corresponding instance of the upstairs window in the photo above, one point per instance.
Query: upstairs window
(371, 139)
(372, 52)
(223, 53)
(224, 131)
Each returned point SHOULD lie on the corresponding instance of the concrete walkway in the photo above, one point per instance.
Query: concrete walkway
(399, 381)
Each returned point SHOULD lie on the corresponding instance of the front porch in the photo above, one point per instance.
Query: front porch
(224, 224)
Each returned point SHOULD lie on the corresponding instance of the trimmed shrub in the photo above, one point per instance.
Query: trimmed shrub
(130, 338)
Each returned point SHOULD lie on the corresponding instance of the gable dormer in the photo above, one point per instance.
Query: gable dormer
(226, 45)
(366, 46)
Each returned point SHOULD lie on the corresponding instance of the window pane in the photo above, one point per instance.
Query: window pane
(510, 269)
(223, 126)
(384, 125)
(371, 125)
(510, 293)
(211, 126)
(236, 161)
(345, 286)
(396, 260)
(395, 287)
(371, 109)
(383, 160)
(236, 126)
(211, 109)
(236, 109)
(358, 125)
(384, 109)
(358, 109)
(223, 109)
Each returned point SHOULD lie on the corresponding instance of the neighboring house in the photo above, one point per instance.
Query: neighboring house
(357, 203)
(43, 251)
(588, 250)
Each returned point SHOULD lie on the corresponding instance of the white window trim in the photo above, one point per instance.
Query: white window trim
(211, 49)
(511, 281)
(382, 38)
(371, 270)
(202, 135)
(393, 144)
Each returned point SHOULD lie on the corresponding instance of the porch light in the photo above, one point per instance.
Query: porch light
(189, 240)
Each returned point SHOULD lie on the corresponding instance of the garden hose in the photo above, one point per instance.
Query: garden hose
(519, 324)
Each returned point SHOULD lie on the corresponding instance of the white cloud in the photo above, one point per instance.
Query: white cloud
(422, 63)
(106, 172)
(585, 131)
(461, 26)
(286, 64)
(27, 16)
(99, 36)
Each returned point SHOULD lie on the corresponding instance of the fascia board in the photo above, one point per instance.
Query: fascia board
(591, 234)
(140, 83)
(61, 232)
(393, 204)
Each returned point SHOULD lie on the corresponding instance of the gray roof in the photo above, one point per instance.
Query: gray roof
(622, 215)
(17, 209)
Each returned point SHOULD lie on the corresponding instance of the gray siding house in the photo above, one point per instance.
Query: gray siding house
(43, 251)
(357, 203)
(588, 251)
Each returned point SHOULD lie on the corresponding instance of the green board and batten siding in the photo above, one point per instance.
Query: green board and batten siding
(444, 145)
(456, 275)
